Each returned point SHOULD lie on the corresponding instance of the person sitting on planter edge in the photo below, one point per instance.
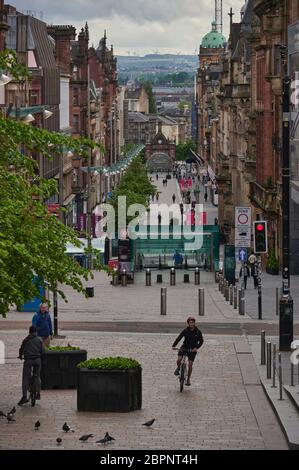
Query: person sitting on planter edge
(42, 321)
(31, 349)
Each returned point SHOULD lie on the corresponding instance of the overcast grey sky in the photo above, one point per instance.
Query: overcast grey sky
(141, 26)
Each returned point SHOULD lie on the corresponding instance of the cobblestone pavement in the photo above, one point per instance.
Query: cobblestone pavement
(219, 410)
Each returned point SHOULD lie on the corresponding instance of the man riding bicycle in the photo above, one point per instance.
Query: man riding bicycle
(193, 340)
(31, 349)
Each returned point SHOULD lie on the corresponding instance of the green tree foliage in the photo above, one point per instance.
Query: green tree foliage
(183, 151)
(135, 185)
(152, 100)
(32, 242)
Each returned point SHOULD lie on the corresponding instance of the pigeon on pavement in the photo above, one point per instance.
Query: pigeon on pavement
(37, 425)
(149, 423)
(108, 437)
(85, 437)
(59, 441)
(66, 428)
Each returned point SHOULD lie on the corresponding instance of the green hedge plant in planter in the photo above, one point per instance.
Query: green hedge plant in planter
(59, 367)
(111, 384)
(272, 266)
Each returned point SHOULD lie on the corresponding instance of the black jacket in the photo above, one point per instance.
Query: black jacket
(192, 339)
(32, 347)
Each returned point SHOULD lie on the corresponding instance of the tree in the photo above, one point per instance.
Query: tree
(135, 185)
(183, 151)
(32, 241)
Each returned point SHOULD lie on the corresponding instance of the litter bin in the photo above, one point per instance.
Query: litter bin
(90, 291)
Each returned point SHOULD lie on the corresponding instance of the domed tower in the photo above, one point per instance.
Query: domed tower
(212, 46)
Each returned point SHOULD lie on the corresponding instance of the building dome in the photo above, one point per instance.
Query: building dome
(213, 40)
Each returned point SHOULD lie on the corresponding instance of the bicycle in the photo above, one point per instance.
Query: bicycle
(183, 376)
(33, 386)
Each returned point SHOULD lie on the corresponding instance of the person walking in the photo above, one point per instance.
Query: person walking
(255, 274)
(244, 273)
(206, 196)
(173, 198)
(42, 321)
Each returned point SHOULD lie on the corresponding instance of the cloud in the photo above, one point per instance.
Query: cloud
(151, 24)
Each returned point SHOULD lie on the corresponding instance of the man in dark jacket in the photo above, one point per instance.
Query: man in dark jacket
(31, 350)
(244, 273)
(42, 322)
(192, 340)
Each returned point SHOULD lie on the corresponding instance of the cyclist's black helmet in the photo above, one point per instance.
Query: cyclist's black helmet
(190, 319)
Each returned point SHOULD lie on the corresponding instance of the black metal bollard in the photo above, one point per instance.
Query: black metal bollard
(231, 294)
(263, 347)
(235, 298)
(163, 300)
(159, 279)
(124, 278)
(148, 278)
(274, 366)
(201, 301)
(172, 277)
(280, 376)
(197, 276)
(186, 278)
(269, 360)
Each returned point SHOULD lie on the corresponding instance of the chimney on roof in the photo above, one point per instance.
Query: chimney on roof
(62, 35)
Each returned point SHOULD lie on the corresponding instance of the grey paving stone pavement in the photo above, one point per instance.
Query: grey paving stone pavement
(217, 412)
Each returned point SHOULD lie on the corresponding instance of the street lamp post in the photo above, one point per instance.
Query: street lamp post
(286, 301)
(89, 208)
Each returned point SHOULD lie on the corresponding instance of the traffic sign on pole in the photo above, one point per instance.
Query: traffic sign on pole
(242, 254)
(243, 227)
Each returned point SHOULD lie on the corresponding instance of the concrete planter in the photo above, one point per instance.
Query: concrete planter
(109, 390)
(59, 369)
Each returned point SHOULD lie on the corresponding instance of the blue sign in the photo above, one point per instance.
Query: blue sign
(242, 254)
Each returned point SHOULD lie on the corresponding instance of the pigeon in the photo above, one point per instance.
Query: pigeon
(37, 425)
(10, 418)
(108, 437)
(59, 441)
(2, 415)
(103, 441)
(149, 423)
(66, 428)
(12, 411)
(85, 437)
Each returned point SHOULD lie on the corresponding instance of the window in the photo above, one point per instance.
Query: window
(76, 96)
(76, 122)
